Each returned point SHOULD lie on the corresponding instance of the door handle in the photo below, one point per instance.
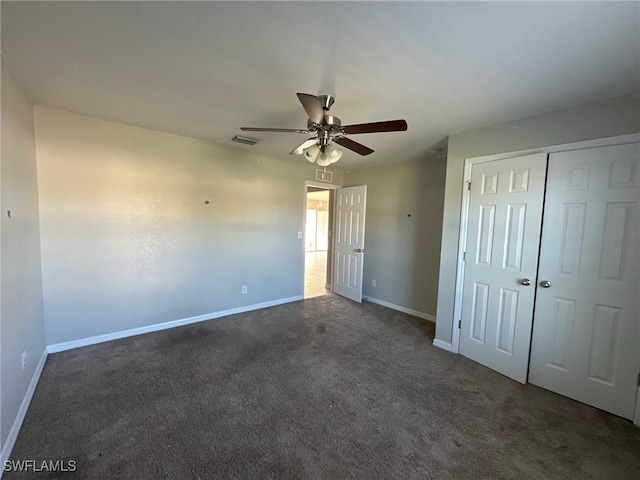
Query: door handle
(545, 283)
(525, 281)
(359, 250)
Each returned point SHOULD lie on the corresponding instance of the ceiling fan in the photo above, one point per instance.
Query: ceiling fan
(329, 128)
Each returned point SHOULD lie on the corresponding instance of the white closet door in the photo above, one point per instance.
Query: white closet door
(586, 333)
(503, 236)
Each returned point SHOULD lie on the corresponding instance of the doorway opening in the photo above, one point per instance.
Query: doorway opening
(317, 242)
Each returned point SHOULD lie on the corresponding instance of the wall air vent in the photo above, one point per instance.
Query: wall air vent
(245, 140)
(324, 175)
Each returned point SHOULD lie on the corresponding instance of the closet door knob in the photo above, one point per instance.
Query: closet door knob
(525, 281)
(545, 283)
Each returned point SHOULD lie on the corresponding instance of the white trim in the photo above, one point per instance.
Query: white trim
(22, 412)
(83, 342)
(468, 164)
(402, 309)
(442, 344)
(319, 184)
(563, 147)
(454, 346)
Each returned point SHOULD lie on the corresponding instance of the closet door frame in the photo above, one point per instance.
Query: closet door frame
(464, 216)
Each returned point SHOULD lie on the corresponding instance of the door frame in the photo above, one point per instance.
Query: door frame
(326, 186)
(464, 217)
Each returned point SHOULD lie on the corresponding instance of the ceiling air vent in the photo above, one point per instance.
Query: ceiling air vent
(245, 140)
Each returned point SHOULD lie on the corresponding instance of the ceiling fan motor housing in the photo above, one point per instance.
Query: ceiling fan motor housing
(330, 124)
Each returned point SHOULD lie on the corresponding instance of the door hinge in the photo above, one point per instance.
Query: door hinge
(469, 186)
(464, 256)
(639, 379)
(459, 324)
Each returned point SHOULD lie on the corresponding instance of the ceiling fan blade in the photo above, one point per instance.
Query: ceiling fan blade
(282, 130)
(313, 106)
(351, 145)
(374, 127)
(303, 145)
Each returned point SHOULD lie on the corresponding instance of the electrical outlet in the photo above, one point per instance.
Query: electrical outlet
(24, 359)
(373, 283)
(244, 289)
(299, 235)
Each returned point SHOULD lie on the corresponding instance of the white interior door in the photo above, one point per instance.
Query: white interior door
(503, 236)
(349, 241)
(586, 331)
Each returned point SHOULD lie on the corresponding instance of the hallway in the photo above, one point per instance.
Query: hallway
(315, 274)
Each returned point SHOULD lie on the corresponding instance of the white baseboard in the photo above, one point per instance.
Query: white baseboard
(402, 309)
(442, 344)
(22, 411)
(83, 342)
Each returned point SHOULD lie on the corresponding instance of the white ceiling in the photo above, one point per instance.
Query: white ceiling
(204, 69)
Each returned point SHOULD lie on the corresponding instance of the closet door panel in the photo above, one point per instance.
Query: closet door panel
(503, 236)
(586, 332)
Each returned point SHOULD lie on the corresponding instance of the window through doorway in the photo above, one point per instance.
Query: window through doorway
(317, 242)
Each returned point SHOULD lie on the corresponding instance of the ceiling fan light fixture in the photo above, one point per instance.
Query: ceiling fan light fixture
(311, 153)
(332, 153)
(323, 156)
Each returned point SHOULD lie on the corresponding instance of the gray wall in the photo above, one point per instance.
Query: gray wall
(21, 317)
(127, 240)
(402, 252)
(608, 118)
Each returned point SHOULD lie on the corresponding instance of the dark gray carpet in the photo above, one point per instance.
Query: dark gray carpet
(324, 388)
